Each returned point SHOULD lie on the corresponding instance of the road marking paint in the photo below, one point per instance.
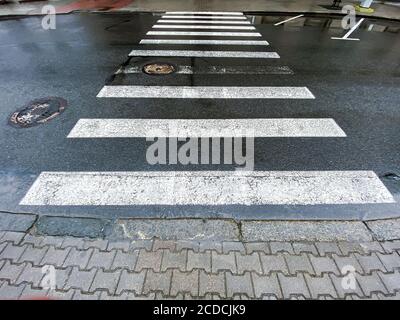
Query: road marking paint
(207, 42)
(141, 128)
(174, 26)
(203, 17)
(181, 69)
(198, 92)
(287, 20)
(227, 13)
(203, 22)
(206, 188)
(199, 53)
(204, 33)
(346, 36)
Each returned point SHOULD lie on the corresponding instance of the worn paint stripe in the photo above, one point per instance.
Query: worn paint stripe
(174, 26)
(287, 20)
(209, 92)
(203, 22)
(139, 128)
(204, 17)
(206, 42)
(206, 188)
(200, 53)
(204, 33)
(221, 13)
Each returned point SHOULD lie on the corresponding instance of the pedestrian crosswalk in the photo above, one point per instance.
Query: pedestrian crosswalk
(207, 188)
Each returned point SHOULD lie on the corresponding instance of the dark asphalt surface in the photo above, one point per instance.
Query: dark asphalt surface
(356, 83)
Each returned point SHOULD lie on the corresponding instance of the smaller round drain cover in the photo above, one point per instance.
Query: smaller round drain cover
(158, 68)
(38, 111)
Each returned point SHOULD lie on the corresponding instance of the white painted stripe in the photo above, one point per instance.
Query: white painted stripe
(287, 20)
(204, 33)
(206, 188)
(199, 53)
(207, 12)
(174, 26)
(217, 70)
(203, 17)
(208, 42)
(186, 92)
(346, 36)
(140, 128)
(203, 21)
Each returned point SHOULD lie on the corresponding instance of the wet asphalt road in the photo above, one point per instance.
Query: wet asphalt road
(356, 83)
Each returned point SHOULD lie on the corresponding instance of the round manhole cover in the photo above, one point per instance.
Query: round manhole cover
(158, 68)
(38, 111)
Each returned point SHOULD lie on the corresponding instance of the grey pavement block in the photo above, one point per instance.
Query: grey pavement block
(257, 247)
(60, 295)
(55, 257)
(266, 286)
(164, 244)
(185, 282)
(298, 263)
(271, 263)
(78, 295)
(160, 282)
(385, 229)
(62, 276)
(320, 286)
(2, 246)
(30, 293)
(281, 247)
(248, 263)
(304, 247)
(11, 236)
(344, 262)
(17, 222)
(68, 226)
(31, 275)
(229, 246)
(293, 286)
(346, 285)
(327, 248)
(99, 244)
(223, 262)
(305, 231)
(371, 284)
(391, 281)
(174, 260)
(141, 244)
(187, 244)
(105, 296)
(36, 241)
(391, 246)
(34, 255)
(131, 281)
(239, 284)
(370, 263)
(80, 280)
(212, 283)
(12, 252)
(105, 280)
(79, 258)
(210, 245)
(52, 241)
(199, 261)
(149, 260)
(175, 229)
(323, 265)
(123, 245)
(126, 260)
(351, 247)
(391, 261)
(101, 259)
(10, 292)
(73, 242)
(133, 296)
(11, 271)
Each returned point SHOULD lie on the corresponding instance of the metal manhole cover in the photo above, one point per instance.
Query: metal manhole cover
(38, 111)
(158, 68)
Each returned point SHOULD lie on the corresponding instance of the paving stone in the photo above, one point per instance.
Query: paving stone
(10, 292)
(163, 244)
(299, 263)
(72, 242)
(212, 283)
(2, 246)
(257, 247)
(199, 261)
(62, 276)
(35, 241)
(210, 245)
(175, 260)
(105, 280)
(34, 255)
(141, 244)
(351, 247)
(236, 284)
(30, 293)
(391, 246)
(293, 286)
(100, 244)
(344, 262)
(131, 281)
(344, 291)
(55, 257)
(78, 295)
(223, 262)
(101, 259)
(320, 286)
(31, 275)
(79, 258)
(80, 280)
(372, 246)
(371, 283)
(248, 263)
(133, 296)
(52, 241)
(323, 265)
(272, 263)
(325, 248)
(105, 296)
(280, 247)
(125, 260)
(185, 282)
(123, 245)
(14, 237)
(12, 252)
(187, 244)
(370, 263)
(304, 247)
(157, 282)
(11, 271)
(229, 246)
(60, 295)
(391, 261)
(391, 281)
(266, 286)
(149, 260)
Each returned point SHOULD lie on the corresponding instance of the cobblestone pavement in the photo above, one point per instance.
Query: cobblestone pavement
(155, 269)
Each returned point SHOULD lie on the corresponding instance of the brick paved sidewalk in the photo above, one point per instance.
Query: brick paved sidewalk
(154, 269)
